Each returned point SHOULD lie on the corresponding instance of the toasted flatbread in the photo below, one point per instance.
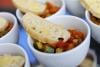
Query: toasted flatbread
(43, 30)
(11, 61)
(33, 6)
(92, 6)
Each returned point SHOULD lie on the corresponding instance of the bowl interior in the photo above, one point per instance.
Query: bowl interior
(11, 18)
(90, 21)
(12, 49)
(71, 22)
(8, 16)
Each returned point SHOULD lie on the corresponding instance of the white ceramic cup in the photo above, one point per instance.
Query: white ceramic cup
(94, 27)
(75, 8)
(93, 55)
(61, 11)
(12, 35)
(14, 49)
(70, 58)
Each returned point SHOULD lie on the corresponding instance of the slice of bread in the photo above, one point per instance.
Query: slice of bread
(11, 61)
(3, 24)
(30, 6)
(43, 30)
(92, 6)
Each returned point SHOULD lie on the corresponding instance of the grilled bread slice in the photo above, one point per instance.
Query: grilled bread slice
(11, 61)
(43, 30)
(92, 6)
(30, 5)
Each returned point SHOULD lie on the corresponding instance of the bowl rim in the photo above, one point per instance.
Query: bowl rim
(87, 15)
(62, 6)
(22, 49)
(14, 24)
(69, 51)
(93, 54)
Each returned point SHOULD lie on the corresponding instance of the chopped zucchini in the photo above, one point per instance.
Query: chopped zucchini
(49, 49)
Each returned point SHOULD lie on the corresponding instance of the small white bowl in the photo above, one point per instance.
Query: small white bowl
(61, 11)
(70, 58)
(94, 27)
(14, 49)
(12, 35)
(92, 55)
(75, 8)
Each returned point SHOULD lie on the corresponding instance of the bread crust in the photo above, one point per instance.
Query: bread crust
(11, 61)
(29, 6)
(92, 6)
(43, 30)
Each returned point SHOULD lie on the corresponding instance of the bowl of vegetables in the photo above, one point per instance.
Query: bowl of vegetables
(58, 57)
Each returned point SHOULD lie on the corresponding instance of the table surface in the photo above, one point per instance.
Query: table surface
(23, 42)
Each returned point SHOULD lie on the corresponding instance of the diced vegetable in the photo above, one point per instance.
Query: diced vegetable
(39, 46)
(49, 49)
(76, 38)
(59, 50)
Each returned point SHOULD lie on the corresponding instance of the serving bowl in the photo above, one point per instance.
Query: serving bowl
(12, 35)
(70, 58)
(93, 55)
(95, 29)
(14, 49)
(59, 3)
(75, 8)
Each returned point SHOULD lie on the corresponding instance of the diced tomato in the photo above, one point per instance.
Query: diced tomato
(60, 44)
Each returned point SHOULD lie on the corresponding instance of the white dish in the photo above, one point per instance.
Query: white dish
(91, 59)
(12, 35)
(94, 27)
(61, 11)
(14, 49)
(69, 58)
(93, 55)
(75, 8)
(90, 52)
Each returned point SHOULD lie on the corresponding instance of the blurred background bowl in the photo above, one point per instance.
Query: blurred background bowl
(94, 27)
(75, 8)
(12, 35)
(14, 49)
(59, 3)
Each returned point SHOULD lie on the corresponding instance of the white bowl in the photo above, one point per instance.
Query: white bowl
(69, 58)
(61, 11)
(93, 55)
(75, 8)
(12, 35)
(14, 49)
(94, 27)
